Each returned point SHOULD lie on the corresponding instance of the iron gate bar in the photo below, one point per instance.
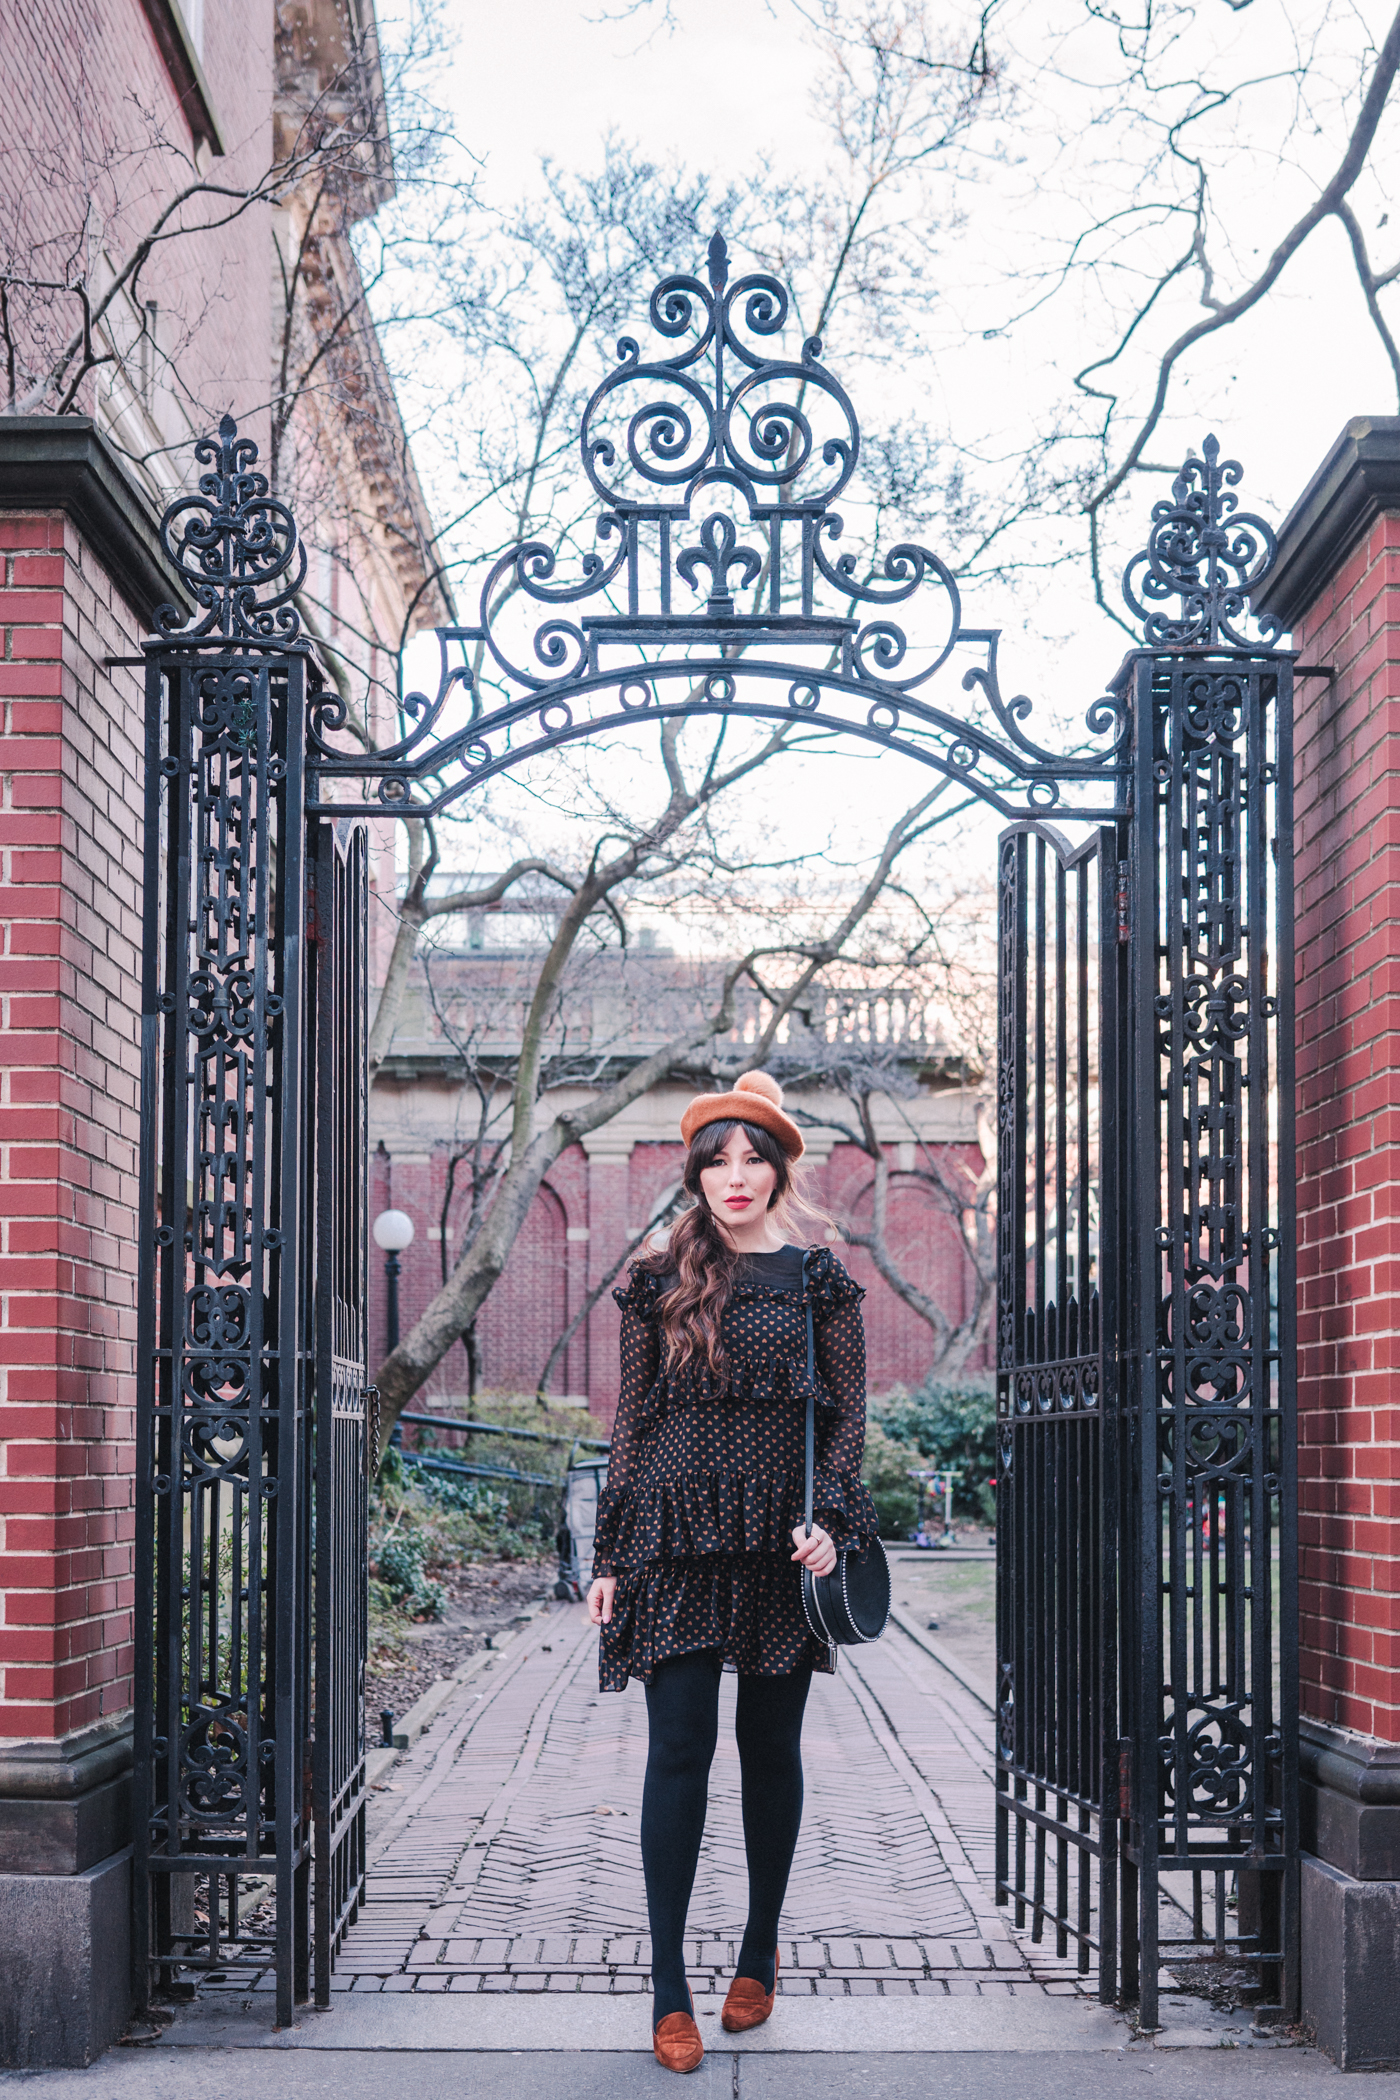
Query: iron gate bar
(338, 982)
(251, 1439)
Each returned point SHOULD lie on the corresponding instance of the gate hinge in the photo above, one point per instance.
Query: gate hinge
(1123, 901)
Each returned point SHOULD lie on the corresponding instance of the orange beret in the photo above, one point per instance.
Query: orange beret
(756, 1098)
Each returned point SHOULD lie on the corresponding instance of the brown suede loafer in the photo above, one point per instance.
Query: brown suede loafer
(676, 2042)
(747, 2003)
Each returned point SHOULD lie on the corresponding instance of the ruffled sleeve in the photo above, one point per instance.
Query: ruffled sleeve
(640, 1346)
(840, 1500)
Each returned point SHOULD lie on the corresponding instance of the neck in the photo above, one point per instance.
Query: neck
(754, 1236)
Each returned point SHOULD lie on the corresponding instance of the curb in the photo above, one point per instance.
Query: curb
(424, 1711)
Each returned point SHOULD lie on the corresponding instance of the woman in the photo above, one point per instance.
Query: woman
(699, 1544)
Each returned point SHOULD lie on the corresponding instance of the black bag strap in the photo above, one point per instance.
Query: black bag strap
(811, 1397)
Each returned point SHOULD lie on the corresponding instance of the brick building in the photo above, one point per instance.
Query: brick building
(147, 94)
(599, 1197)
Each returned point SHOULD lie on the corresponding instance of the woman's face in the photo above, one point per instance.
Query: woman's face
(737, 1184)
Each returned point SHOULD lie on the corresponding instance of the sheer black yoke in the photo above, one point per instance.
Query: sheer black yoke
(705, 1480)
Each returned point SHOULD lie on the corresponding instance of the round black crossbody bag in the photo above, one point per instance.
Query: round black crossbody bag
(852, 1603)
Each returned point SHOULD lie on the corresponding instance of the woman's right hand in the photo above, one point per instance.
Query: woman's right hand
(601, 1592)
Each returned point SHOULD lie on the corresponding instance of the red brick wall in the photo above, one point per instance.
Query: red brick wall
(70, 842)
(603, 1202)
(1348, 933)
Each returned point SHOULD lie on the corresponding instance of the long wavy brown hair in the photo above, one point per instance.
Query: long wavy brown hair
(702, 1259)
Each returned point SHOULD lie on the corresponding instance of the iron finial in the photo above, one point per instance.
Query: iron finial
(1207, 554)
(719, 263)
(235, 546)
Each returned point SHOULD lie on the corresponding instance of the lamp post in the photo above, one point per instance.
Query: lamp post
(393, 1231)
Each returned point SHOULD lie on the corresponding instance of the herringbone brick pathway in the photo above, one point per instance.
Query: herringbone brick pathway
(508, 1858)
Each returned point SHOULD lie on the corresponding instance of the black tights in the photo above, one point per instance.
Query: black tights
(683, 1719)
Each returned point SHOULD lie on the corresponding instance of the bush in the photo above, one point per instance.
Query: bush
(950, 1425)
(398, 1563)
(886, 1474)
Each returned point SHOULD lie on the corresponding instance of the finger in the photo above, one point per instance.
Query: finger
(607, 1610)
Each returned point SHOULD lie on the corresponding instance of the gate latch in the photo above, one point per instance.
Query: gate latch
(1123, 901)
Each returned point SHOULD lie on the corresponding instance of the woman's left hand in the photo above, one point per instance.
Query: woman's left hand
(816, 1552)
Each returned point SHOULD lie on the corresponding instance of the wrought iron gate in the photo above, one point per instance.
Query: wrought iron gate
(1146, 1574)
(251, 1449)
(1057, 1447)
(1147, 1581)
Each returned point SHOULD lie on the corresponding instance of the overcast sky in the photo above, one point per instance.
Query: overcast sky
(732, 78)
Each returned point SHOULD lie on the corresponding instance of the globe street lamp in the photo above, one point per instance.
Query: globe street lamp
(393, 1231)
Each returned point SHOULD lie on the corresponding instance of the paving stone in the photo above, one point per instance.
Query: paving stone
(492, 1950)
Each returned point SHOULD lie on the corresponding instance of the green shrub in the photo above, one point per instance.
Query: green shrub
(950, 1425)
(886, 1474)
(398, 1563)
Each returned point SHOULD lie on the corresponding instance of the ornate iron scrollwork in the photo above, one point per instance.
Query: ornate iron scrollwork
(1208, 554)
(231, 541)
(717, 466)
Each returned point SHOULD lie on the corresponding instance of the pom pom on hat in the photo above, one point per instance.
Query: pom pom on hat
(761, 1083)
(756, 1099)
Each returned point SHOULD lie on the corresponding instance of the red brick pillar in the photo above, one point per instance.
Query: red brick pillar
(79, 582)
(609, 1152)
(1337, 586)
